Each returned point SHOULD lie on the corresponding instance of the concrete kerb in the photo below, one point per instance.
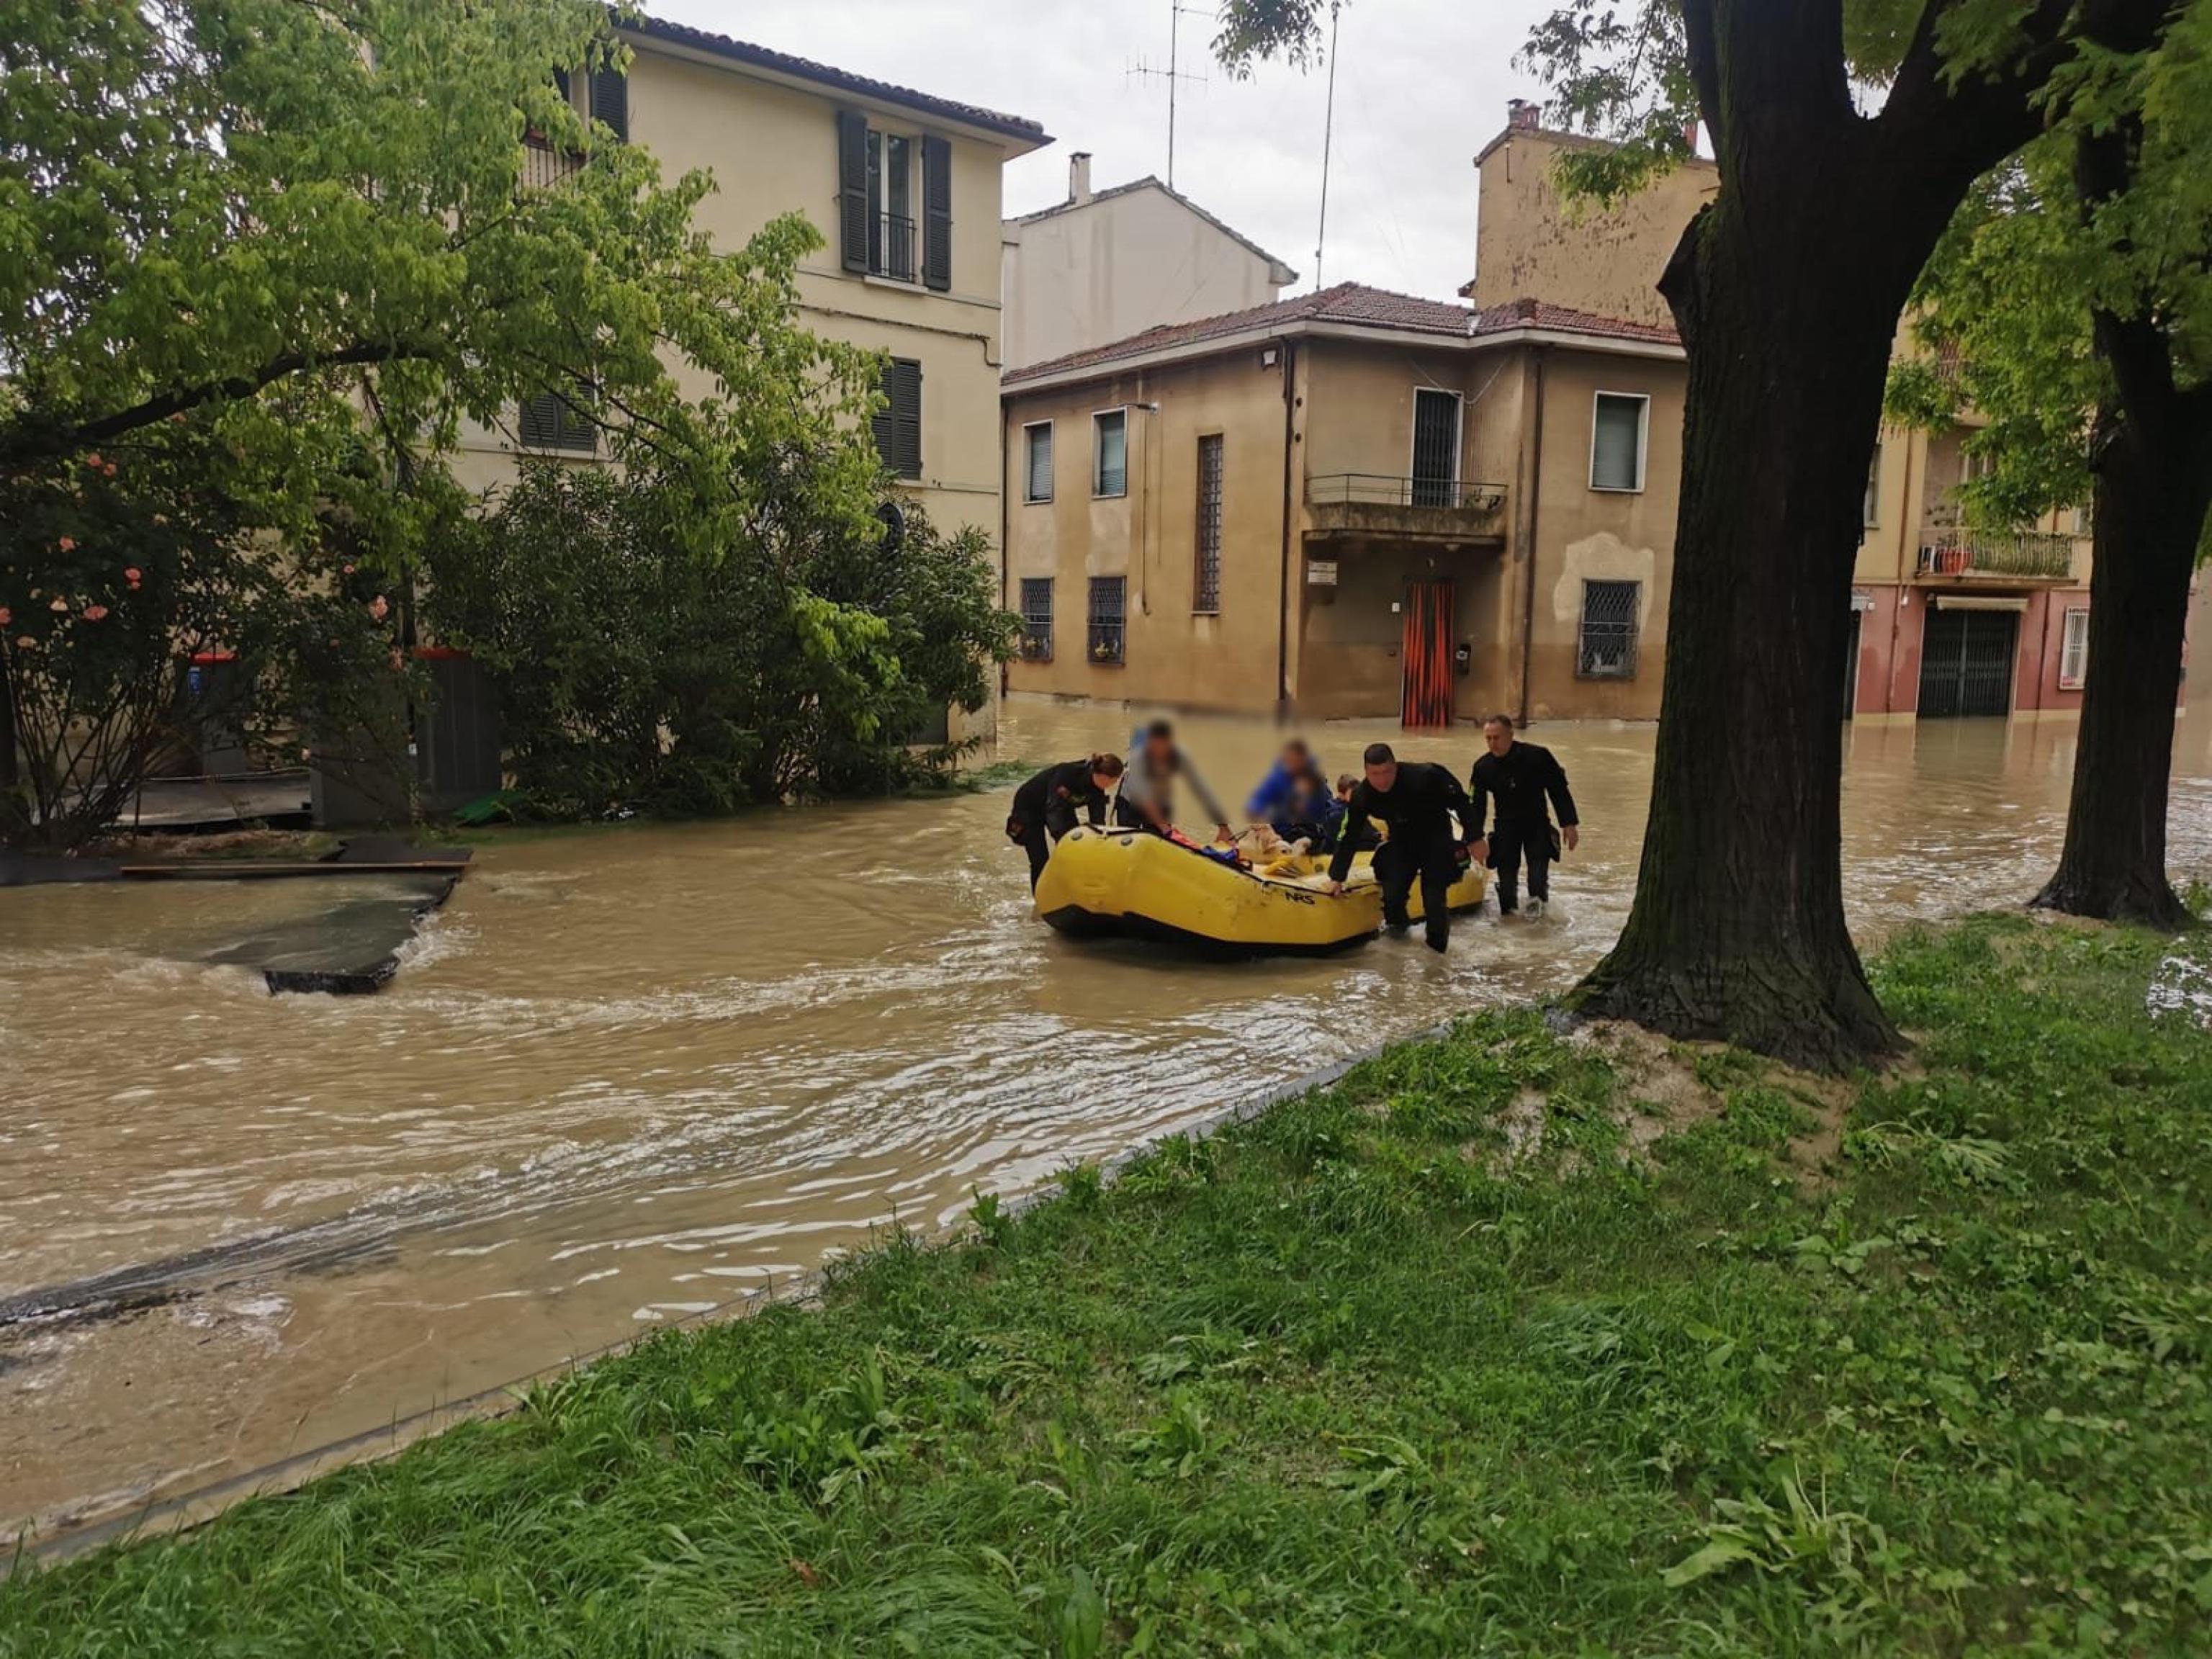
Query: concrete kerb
(203, 1505)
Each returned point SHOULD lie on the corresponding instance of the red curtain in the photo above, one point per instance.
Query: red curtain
(1427, 651)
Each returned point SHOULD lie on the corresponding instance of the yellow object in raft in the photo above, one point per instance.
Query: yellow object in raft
(1105, 883)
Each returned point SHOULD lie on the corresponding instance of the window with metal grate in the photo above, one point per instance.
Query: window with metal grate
(1207, 597)
(1109, 617)
(1607, 649)
(1036, 618)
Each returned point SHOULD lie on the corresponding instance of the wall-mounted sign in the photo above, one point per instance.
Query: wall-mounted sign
(1321, 573)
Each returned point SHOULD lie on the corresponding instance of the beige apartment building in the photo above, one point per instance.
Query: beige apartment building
(1102, 265)
(905, 188)
(1352, 502)
(1360, 503)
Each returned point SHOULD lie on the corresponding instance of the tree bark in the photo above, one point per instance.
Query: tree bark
(2154, 487)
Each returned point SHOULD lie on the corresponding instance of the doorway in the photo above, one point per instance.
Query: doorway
(1427, 650)
(1967, 663)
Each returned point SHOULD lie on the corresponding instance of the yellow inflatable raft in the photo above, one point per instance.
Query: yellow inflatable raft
(1104, 883)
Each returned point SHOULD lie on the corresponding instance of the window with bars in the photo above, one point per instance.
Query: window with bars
(898, 424)
(2074, 650)
(1036, 618)
(1109, 617)
(1607, 649)
(1036, 462)
(1110, 452)
(1206, 595)
(549, 420)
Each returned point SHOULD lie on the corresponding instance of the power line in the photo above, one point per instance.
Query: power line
(1327, 133)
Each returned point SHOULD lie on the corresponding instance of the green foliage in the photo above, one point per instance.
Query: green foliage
(115, 574)
(645, 663)
(1345, 1381)
(336, 199)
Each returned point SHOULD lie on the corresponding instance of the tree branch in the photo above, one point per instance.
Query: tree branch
(33, 440)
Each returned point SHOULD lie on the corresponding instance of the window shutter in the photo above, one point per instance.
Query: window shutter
(937, 213)
(560, 81)
(906, 435)
(540, 421)
(853, 189)
(610, 101)
(1039, 464)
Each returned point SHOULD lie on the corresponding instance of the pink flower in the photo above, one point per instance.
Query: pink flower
(132, 573)
(109, 469)
(346, 569)
(6, 616)
(92, 460)
(60, 605)
(379, 608)
(177, 419)
(66, 544)
(94, 613)
(307, 754)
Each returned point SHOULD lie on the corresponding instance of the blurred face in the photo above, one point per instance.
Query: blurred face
(1103, 783)
(1295, 757)
(1498, 737)
(1382, 776)
(1160, 749)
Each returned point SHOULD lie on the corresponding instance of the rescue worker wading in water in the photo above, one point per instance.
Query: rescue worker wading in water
(1417, 801)
(1045, 807)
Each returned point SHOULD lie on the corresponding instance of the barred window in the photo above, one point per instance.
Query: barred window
(549, 420)
(1036, 618)
(2074, 650)
(1606, 650)
(1208, 599)
(1108, 616)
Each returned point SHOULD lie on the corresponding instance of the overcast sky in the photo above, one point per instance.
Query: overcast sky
(1421, 85)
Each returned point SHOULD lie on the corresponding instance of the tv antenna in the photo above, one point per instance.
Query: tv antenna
(1327, 133)
(1172, 74)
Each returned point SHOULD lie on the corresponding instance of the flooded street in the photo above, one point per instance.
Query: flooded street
(629, 1074)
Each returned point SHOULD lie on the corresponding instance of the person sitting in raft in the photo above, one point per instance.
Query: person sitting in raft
(1294, 800)
(1147, 798)
(1417, 801)
(1369, 838)
(1045, 807)
(1521, 777)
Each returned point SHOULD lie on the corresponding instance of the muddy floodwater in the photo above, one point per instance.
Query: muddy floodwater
(629, 1074)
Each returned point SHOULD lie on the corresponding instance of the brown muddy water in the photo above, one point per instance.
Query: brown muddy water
(629, 1075)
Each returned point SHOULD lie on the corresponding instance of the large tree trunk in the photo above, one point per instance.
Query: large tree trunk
(1737, 931)
(2154, 486)
(1787, 290)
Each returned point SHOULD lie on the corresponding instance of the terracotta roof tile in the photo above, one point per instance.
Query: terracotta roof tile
(1352, 302)
(743, 51)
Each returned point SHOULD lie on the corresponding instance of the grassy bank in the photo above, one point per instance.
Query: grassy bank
(1452, 1358)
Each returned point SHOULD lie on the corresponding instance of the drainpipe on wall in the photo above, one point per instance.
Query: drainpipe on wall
(1006, 548)
(1535, 493)
(1907, 533)
(1285, 595)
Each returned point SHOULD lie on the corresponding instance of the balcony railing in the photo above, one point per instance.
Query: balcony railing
(1380, 489)
(891, 250)
(2004, 553)
(544, 166)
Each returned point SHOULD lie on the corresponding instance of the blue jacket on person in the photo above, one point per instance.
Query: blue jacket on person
(1291, 804)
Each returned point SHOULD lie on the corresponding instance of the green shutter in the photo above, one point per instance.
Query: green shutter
(937, 213)
(610, 101)
(853, 189)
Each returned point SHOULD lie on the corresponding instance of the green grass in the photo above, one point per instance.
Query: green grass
(1355, 1379)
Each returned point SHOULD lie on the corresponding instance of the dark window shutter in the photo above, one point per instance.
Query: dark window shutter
(540, 421)
(853, 189)
(898, 425)
(610, 101)
(937, 213)
(561, 81)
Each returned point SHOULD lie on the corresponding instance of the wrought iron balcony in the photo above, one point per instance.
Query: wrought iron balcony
(1415, 508)
(1950, 552)
(891, 249)
(544, 166)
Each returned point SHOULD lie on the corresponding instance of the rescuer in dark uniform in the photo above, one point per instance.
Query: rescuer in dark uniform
(1045, 807)
(1522, 777)
(1417, 801)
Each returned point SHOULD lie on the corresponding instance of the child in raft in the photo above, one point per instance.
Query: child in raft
(1045, 807)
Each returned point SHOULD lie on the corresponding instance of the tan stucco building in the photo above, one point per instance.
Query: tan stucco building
(905, 188)
(1104, 264)
(1321, 501)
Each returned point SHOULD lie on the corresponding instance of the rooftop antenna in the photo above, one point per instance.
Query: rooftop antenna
(1327, 133)
(1171, 74)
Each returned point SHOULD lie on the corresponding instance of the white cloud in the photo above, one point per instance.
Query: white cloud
(1421, 86)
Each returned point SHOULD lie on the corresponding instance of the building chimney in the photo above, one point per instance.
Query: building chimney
(1079, 178)
(1521, 115)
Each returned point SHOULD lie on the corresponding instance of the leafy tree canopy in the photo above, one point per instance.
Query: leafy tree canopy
(263, 218)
